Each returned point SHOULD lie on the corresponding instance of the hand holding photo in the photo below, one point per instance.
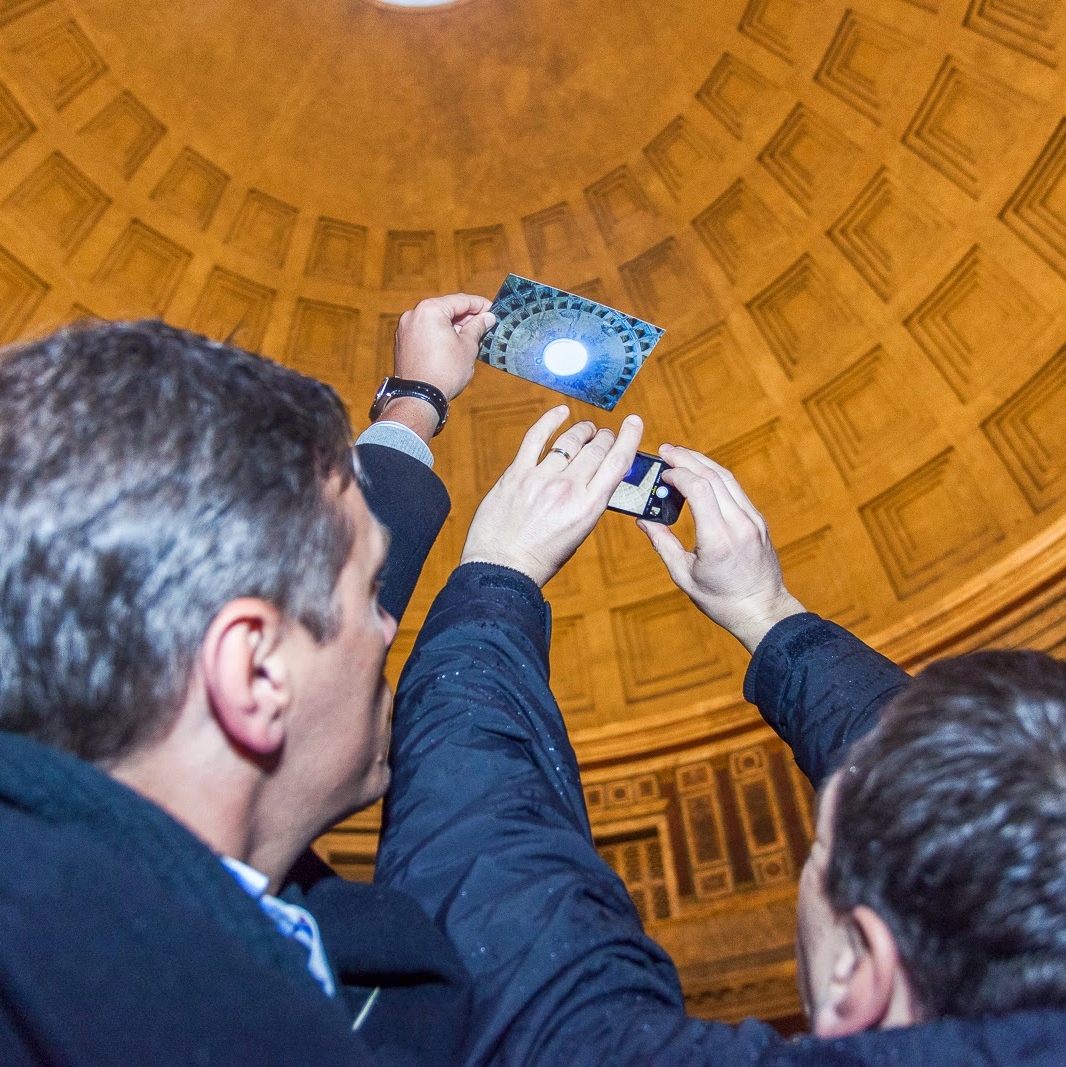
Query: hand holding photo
(566, 342)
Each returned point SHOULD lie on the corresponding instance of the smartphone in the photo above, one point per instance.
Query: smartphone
(643, 493)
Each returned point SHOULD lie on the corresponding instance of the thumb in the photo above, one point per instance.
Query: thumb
(474, 330)
(670, 549)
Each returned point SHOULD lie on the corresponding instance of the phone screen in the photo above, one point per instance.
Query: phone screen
(642, 492)
(633, 492)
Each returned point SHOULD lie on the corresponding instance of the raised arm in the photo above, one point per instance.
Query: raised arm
(436, 343)
(485, 823)
(819, 686)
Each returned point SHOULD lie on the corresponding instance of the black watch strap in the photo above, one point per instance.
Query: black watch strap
(394, 387)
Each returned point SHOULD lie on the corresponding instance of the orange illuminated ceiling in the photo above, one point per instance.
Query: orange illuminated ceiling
(851, 221)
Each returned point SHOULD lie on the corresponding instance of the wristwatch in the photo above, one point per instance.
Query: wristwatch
(394, 387)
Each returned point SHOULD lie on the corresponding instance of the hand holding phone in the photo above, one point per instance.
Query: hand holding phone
(643, 493)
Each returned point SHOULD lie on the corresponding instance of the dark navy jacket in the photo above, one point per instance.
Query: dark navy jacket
(486, 827)
(123, 940)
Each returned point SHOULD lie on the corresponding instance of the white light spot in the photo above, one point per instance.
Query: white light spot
(565, 356)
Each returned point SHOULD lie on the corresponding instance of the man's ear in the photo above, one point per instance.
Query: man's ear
(867, 983)
(245, 674)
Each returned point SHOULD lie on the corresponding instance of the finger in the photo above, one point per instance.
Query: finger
(588, 461)
(538, 435)
(460, 307)
(704, 503)
(614, 466)
(715, 472)
(473, 330)
(572, 441)
(671, 551)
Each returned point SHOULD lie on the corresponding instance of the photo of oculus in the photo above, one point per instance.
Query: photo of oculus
(566, 342)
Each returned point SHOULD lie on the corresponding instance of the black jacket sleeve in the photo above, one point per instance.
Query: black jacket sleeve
(411, 501)
(485, 825)
(820, 688)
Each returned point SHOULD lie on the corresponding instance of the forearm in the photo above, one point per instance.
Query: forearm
(820, 688)
(485, 826)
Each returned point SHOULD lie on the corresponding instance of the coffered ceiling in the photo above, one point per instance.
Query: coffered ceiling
(851, 221)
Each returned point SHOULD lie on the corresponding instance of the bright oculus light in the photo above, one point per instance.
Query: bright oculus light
(565, 356)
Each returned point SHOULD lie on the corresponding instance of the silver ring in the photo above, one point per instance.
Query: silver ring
(562, 452)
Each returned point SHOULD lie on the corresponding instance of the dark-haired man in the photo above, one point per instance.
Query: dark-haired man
(191, 690)
(932, 908)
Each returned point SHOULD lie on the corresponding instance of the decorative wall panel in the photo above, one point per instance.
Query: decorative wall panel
(13, 9)
(143, 270)
(637, 858)
(1032, 27)
(817, 577)
(233, 309)
(385, 348)
(21, 292)
(63, 62)
(643, 631)
(661, 283)
(410, 260)
(191, 188)
(1037, 211)
(482, 257)
(775, 24)
(887, 232)
(679, 154)
(618, 202)
(867, 412)
(552, 235)
(15, 125)
(803, 318)
(126, 132)
(60, 201)
(808, 156)
(734, 93)
(933, 521)
(496, 432)
(623, 557)
(1029, 433)
(965, 125)
(864, 64)
(977, 318)
(572, 682)
(740, 231)
(702, 372)
(263, 227)
(322, 340)
(337, 251)
(767, 465)
(705, 836)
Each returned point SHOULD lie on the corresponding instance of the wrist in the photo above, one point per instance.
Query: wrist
(750, 621)
(394, 388)
(414, 413)
(534, 571)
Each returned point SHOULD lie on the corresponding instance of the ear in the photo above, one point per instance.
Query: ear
(246, 676)
(867, 980)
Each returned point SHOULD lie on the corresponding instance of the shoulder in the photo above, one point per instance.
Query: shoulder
(100, 961)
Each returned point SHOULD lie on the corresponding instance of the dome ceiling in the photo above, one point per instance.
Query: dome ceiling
(849, 220)
(410, 118)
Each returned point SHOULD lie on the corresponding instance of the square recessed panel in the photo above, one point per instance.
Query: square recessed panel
(566, 342)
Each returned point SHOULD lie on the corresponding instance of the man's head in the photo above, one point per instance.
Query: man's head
(150, 480)
(938, 884)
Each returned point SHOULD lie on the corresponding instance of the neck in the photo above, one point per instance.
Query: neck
(215, 792)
